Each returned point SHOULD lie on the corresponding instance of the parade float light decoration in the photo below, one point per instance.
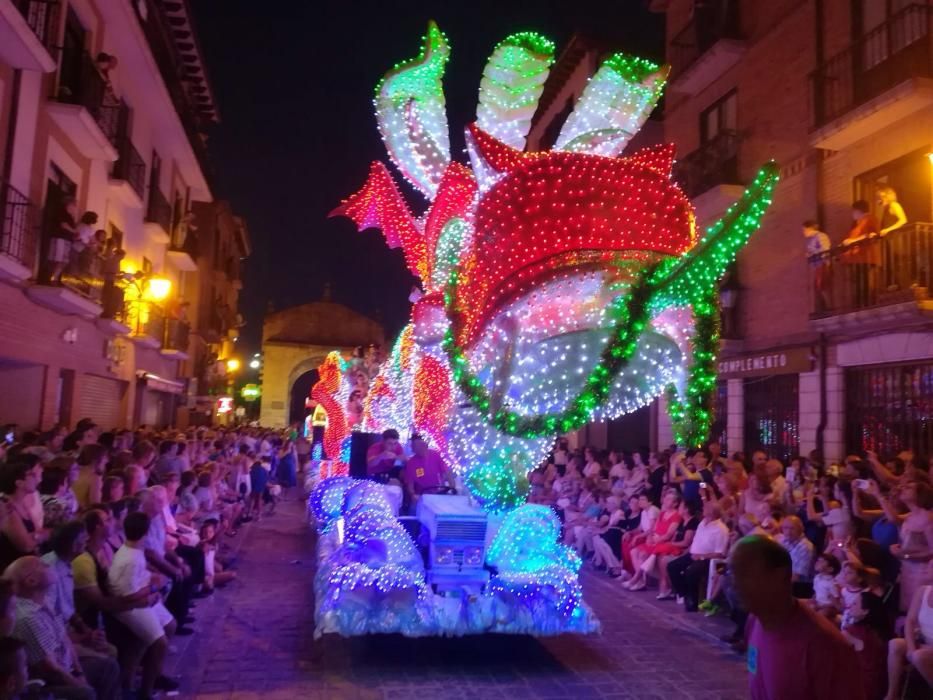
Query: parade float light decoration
(512, 84)
(532, 564)
(329, 393)
(523, 223)
(615, 103)
(412, 117)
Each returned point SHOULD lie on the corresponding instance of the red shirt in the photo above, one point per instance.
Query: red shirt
(425, 472)
(806, 658)
(383, 465)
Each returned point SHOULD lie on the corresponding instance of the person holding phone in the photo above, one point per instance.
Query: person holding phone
(383, 456)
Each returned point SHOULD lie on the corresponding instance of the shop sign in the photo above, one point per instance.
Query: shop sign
(224, 404)
(783, 361)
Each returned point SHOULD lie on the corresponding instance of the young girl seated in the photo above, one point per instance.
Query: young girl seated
(826, 595)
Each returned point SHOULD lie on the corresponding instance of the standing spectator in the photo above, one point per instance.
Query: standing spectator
(793, 652)
(62, 239)
(916, 646)
(687, 572)
(92, 464)
(817, 245)
(152, 625)
(286, 469)
(893, 216)
(861, 254)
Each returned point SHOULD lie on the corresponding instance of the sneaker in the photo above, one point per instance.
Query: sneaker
(679, 599)
(706, 605)
(712, 610)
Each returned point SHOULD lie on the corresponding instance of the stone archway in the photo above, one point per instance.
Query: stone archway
(297, 393)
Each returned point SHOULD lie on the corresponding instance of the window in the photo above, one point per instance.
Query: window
(719, 118)
(890, 408)
(772, 416)
(147, 266)
(720, 415)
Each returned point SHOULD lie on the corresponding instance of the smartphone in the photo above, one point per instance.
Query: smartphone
(790, 474)
(861, 484)
(9, 438)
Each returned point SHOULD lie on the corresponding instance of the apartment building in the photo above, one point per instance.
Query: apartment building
(103, 103)
(833, 353)
(224, 245)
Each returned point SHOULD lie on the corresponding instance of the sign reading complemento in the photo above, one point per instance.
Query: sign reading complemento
(786, 361)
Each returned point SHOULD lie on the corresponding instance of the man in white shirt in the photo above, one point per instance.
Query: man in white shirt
(128, 575)
(711, 541)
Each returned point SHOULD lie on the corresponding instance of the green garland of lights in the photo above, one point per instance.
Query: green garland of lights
(688, 280)
(630, 315)
(692, 418)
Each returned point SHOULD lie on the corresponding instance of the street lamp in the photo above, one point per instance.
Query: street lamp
(233, 364)
(254, 364)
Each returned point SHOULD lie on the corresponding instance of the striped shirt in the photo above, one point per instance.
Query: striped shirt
(43, 634)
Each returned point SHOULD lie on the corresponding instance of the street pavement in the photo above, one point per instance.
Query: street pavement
(254, 639)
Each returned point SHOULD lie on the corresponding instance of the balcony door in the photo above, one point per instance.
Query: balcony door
(73, 43)
(58, 188)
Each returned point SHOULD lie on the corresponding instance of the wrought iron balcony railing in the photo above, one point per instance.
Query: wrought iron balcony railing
(714, 163)
(19, 233)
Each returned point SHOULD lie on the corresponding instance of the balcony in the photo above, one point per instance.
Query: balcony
(183, 249)
(85, 107)
(885, 76)
(706, 48)
(26, 34)
(177, 333)
(875, 282)
(79, 290)
(710, 176)
(158, 219)
(146, 321)
(18, 234)
(128, 179)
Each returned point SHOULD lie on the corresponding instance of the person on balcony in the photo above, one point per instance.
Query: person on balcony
(862, 254)
(112, 294)
(892, 213)
(83, 245)
(62, 239)
(818, 245)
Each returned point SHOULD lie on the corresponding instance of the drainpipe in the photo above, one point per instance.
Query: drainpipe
(11, 127)
(818, 184)
(824, 409)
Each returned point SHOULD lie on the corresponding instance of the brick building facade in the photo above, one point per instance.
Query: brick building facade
(840, 93)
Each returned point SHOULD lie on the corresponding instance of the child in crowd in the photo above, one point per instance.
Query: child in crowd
(827, 598)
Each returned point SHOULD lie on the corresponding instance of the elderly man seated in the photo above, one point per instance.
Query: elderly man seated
(49, 651)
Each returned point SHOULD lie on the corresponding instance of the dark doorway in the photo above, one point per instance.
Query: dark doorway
(631, 432)
(771, 416)
(301, 389)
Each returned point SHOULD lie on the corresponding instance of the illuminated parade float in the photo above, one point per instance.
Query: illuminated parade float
(559, 287)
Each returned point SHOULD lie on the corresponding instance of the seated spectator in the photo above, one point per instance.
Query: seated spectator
(129, 576)
(827, 598)
(19, 535)
(686, 530)
(687, 573)
(801, 554)
(56, 506)
(648, 516)
(49, 651)
(14, 674)
(113, 489)
(657, 543)
(134, 479)
(792, 651)
(607, 546)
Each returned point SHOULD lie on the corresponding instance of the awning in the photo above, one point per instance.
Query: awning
(154, 382)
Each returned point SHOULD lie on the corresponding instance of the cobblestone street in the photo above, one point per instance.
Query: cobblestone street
(254, 640)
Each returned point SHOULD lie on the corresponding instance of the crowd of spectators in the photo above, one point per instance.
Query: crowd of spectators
(858, 537)
(108, 539)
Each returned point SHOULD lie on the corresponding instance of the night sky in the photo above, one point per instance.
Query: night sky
(294, 84)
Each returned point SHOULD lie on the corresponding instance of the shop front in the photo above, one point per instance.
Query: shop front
(156, 399)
